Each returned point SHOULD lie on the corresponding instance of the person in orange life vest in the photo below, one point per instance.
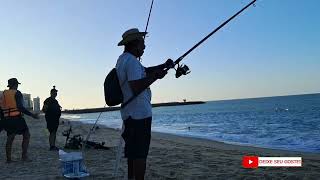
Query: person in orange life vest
(52, 111)
(13, 121)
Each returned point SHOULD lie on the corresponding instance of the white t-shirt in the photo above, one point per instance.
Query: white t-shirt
(129, 68)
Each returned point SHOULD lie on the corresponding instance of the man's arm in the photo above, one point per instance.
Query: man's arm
(152, 69)
(45, 106)
(154, 73)
(19, 101)
(137, 86)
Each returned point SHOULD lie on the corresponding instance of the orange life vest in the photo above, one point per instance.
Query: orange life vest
(8, 104)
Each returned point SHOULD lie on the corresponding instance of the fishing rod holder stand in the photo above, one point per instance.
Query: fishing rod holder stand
(182, 70)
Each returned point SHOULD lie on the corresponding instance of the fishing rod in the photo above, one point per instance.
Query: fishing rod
(184, 69)
(145, 30)
(181, 70)
(91, 130)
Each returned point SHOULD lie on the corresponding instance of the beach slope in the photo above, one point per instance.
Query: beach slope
(170, 157)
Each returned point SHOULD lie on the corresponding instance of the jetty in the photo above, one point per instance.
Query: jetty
(117, 108)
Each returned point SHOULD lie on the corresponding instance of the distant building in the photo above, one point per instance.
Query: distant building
(36, 104)
(27, 101)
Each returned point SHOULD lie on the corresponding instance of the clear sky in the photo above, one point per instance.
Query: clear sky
(271, 49)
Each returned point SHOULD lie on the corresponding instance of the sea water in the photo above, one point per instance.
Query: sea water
(284, 122)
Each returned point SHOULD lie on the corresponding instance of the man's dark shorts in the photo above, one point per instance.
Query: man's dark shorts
(52, 124)
(15, 125)
(137, 135)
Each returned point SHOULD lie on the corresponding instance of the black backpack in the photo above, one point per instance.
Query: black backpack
(112, 90)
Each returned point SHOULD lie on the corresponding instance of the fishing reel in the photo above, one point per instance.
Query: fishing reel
(182, 70)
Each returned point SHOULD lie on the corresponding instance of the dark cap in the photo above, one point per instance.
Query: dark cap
(12, 82)
(54, 89)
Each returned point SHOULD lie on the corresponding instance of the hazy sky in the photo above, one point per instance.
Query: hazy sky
(271, 49)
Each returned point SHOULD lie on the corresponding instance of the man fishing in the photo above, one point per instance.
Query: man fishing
(13, 121)
(135, 80)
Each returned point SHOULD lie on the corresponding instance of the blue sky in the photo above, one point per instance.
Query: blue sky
(271, 49)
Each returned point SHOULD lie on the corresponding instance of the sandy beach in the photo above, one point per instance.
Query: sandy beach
(170, 157)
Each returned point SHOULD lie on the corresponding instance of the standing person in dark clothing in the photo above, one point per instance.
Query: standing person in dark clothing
(13, 121)
(52, 111)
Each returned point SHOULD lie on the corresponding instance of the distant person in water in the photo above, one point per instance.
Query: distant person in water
(137, 115)
(52, 111)
(11, 103)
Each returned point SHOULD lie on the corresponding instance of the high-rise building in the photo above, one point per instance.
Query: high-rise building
(36, 104)
(27, 101)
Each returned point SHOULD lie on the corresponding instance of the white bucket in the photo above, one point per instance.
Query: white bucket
(72, 165)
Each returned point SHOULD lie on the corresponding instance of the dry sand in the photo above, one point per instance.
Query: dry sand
(170, 157)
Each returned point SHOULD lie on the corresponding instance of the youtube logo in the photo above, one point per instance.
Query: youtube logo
(250, 161)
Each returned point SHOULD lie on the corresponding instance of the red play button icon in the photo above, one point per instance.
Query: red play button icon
(250, 161)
